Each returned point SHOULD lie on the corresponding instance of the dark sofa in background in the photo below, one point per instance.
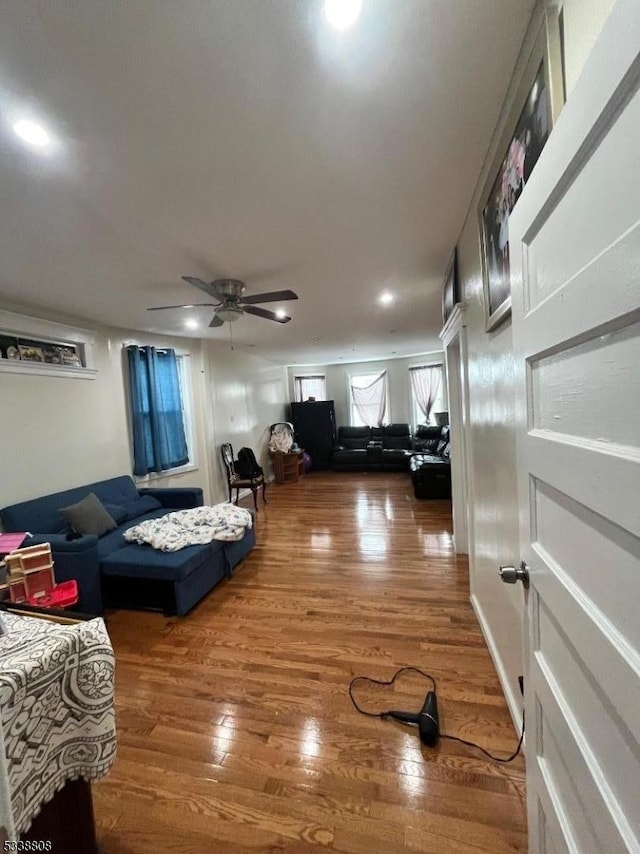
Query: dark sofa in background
(427, 438)
(114, 573)
(430, 466)
(385, 448)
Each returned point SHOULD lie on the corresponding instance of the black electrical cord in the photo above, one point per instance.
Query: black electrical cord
(382, 682)
(486, 752)
(384, 715)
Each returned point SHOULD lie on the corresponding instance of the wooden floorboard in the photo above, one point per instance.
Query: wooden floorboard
(235, 729)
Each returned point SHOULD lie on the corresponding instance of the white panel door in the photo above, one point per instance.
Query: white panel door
(575, 259)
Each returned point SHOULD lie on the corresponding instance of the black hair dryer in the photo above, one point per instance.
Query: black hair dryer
(426, 719)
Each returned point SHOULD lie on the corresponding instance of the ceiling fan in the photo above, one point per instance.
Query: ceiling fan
(231, 304)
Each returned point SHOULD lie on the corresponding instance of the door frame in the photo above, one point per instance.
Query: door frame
(454, 340)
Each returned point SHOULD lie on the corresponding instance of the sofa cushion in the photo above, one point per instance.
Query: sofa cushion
(114, 540)
(425, 461)
(351, 456)
(117, 512)
(396, 442)
(88, 516)
(426, 438)
(354, 438)
(140, 505)
(396, 436)
(428, 431)
(134, 561)
(396, 459)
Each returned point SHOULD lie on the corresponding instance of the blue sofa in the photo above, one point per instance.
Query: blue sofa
(112, 573)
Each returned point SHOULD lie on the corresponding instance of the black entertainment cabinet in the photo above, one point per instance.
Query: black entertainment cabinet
(314, 423)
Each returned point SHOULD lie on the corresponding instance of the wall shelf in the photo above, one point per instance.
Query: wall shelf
(9, 366)
(50, 337)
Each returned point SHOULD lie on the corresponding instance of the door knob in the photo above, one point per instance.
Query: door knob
(511, 574)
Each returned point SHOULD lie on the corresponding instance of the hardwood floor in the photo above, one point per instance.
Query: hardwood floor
(236, 732)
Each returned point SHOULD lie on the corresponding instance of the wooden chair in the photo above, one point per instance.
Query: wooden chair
(234, 481)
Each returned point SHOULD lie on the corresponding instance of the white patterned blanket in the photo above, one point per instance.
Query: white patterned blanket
(57, 715)
(192, 527)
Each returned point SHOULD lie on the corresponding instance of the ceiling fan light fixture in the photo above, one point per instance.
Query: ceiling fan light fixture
(229, 313)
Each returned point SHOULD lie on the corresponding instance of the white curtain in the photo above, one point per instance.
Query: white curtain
(306, 387)
(425, 383)
(370, 401)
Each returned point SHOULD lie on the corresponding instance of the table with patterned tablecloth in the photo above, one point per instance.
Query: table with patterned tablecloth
(57, 714)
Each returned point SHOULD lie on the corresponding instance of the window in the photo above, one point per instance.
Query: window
(160, 399)
(309, 386)
(428, 393)
(368, 399)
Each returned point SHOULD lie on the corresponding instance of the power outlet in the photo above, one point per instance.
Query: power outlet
(521, 684)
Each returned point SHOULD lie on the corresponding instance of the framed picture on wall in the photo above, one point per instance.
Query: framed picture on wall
(537, 109)
(450, 287)
(30, 351)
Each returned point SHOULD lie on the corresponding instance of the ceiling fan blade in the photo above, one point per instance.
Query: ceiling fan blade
(272, 296)
(262, 312)
(216, 321)
(203, 286)
(187, 305)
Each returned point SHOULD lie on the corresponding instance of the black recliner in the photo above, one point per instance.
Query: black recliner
(350, 454)
(396, 447)
(431, 469)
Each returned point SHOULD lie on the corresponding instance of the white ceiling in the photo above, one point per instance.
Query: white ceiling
(247, 138)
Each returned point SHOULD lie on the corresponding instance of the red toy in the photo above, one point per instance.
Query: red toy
(30, 578)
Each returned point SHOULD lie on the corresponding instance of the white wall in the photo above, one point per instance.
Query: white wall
(337, 378)
(245, 395)
(492, 387)
(59, 432)
(583, 21)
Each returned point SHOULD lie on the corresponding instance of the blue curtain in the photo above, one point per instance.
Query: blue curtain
(159, 441)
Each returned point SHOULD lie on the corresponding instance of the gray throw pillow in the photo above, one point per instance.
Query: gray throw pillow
(88, 516)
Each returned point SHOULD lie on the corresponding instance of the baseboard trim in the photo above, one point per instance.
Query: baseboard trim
(515, 709)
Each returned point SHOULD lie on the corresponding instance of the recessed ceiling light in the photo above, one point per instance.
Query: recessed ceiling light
(32, 133)
(280, 313)
(342, 14)
(191, 324)
(385, 298)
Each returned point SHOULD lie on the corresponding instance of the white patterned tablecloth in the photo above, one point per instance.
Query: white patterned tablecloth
(57, 714)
